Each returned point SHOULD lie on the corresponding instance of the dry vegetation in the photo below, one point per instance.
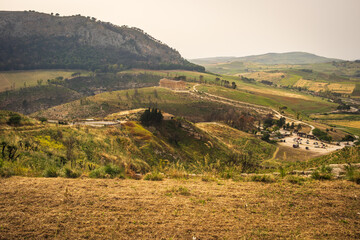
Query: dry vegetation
(20, 79)
(33, 208)
(352, 124)
(324, 86)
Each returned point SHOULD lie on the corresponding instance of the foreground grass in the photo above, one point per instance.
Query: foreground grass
(34, 208)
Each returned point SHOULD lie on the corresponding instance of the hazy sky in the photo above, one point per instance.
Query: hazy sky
(207, 28)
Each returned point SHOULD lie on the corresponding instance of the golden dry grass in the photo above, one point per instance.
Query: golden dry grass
(323, 86)
(258, 76)
(345, 123)
(38, 208)
(7, 79)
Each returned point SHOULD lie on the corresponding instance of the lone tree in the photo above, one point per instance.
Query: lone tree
(151, 117)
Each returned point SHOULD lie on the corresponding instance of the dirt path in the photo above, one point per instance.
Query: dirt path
(274, 155)
(256, 107)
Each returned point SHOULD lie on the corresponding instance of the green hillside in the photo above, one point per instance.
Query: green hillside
(44, 149)
(33, 40)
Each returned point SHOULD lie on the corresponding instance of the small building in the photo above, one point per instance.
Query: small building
(172, 84)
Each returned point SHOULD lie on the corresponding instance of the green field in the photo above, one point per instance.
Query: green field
(274, 99)
(42, 147)
(19, 79)
(101, 105)
(190, 75)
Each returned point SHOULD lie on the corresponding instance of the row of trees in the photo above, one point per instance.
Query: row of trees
(151, 117)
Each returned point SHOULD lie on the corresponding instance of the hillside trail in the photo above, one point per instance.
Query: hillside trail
(252, 106)
(274, 154)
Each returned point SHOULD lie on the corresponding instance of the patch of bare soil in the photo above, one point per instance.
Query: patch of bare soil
(38, 208)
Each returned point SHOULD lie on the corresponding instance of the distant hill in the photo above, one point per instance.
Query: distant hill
(270, 58)
(32, 40)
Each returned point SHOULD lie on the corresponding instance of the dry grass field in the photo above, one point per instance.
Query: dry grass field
(345, 123)
(324, 86)
(39, 208)
(19, 79)
(269, 76)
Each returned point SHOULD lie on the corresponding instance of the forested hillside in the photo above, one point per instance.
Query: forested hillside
(32, 40)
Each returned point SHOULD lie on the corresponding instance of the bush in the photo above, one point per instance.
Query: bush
(322, 135)
(295, 179)
(352, 174)
(6, 172)
(154, 176)
(50, 172)
(263, 178)
(180, 190)
(323, 173)
(69, 173)
(208, 178)
(177, 173)
(108, 171)
(282, 172)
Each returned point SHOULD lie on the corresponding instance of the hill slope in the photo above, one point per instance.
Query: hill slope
(270, 58)
(31, 40)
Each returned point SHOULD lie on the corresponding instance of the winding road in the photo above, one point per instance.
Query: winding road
(256, 107)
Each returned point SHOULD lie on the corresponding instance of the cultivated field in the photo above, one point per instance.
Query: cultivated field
(352, 124)
(21, 79)
(33, 208)
(273, 98)
(324, 86)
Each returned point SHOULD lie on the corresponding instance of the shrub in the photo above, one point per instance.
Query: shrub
(154, 176)
(69, 173)
(208, 178)
(352, 174)
(323, 173)
(238, 178)
(295, 179)
(181, 190)
(263, 178)
(177, 173)
(108, 171)
(282, 172)
(322, 135)
(6, 172)
(50, 172)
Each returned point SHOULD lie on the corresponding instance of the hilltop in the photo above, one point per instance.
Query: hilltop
(270, 58)
(32, 40)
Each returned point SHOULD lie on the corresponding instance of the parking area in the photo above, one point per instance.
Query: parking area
(311, 145)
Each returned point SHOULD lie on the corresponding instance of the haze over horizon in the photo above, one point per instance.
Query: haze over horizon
(216, 28)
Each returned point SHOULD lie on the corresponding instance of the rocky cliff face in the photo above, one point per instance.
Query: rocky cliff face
(38, 40)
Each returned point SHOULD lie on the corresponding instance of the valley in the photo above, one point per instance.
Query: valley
(108, 133)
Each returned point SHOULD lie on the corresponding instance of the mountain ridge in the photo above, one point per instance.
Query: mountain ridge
(33, 40)
(269, 58)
